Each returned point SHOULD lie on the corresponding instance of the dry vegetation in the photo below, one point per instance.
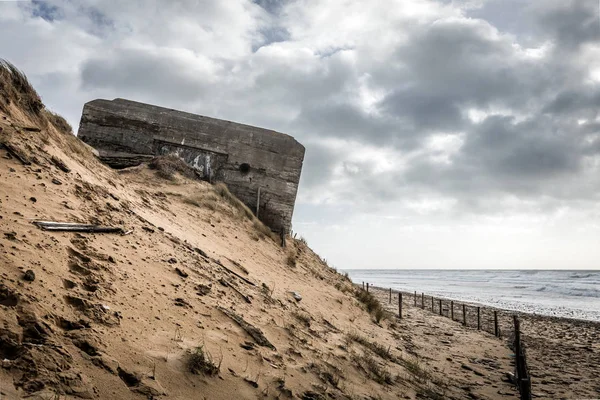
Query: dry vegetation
(16, 93)
(15, 88)
(217, 198)
(380, 350)
(167, 166)
(291, 259)
(201, 362)
(302, 317)
(374, 370)
(58, 121)
(372, 305)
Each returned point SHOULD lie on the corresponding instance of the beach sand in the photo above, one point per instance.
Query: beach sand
(563, 355)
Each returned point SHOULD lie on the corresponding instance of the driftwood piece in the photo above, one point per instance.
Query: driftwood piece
(17, 153)
(74, 227)
(251, 330)
(220, 264)
(60, 164)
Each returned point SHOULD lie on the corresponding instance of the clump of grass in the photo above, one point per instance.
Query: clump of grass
(243, 210)
(377, 348)
(375, 371)
(380, 314)
(15, 88)
(207, 200)
(303, 318)
(58, 121)
(167, 166)
(343, 287)
(200, 362)
(328, 373)
(432, 393)
(372, 304)
(291, 259)
(222, 190)
(414, 368)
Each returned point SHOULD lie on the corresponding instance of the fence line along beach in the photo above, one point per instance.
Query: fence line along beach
(563, 354)
(564, 293)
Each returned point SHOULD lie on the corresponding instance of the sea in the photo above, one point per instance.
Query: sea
(561, 293)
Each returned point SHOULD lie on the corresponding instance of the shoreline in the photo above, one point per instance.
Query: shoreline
(563, 354)
(561, 293)
(520, 313)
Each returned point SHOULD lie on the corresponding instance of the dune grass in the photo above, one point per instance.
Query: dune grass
(168, 166)
(372, 305)
(15, 88)
(200, 361)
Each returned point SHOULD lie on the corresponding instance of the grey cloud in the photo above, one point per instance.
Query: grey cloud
(136, 73)
(423, 111)
(44, 10)
(345, 120)
(464, 63)
(501, 156)
(272, 6)
(529, 150)
(319, 161)
(571, 23)
(582, 101)
(274, 34)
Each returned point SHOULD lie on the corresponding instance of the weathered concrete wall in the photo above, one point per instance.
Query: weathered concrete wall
(246, 158)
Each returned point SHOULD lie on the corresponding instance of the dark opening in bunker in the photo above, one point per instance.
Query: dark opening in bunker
(244, 168)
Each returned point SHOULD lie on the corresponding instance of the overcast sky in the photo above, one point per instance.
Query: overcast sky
(438, 133)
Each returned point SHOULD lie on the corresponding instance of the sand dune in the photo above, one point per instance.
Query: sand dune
(196, 301)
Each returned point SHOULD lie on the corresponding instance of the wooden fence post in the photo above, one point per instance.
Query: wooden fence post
(464, 315)
(258, 202)
(523, 378)
(452, 310)
(518, 346)
(422, 300)
(440, 300)
(478, 318)
(367, 287)
(363, 285)
(415, 298)
(390, 295)
(400, 304)
(496, 323)
(432, 304)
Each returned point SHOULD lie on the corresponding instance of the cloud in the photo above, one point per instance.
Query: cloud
(178, 74)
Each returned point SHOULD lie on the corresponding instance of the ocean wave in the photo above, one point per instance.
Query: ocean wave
(583, 292)
(556, 291)
(580, 276)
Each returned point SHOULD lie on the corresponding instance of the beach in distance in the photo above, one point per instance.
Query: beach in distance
(558, 293)
(559, 312)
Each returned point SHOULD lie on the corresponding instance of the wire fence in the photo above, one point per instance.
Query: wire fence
(499, 323)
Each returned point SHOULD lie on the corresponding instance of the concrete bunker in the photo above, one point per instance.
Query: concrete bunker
(260, 166)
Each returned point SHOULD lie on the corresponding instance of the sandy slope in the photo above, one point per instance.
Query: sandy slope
(109, 316)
